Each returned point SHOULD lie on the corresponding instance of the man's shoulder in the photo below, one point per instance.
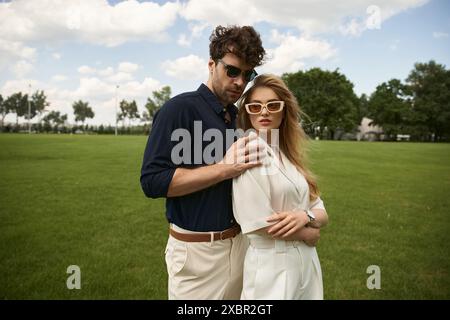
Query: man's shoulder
(188, 95)
(180, 106)
(183, 99)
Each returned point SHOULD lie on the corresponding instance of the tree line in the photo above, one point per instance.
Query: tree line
(418, 106)
(20, 105)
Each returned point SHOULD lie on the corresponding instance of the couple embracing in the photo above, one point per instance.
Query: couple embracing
(246, 226)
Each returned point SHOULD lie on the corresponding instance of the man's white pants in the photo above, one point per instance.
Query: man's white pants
(205, 270)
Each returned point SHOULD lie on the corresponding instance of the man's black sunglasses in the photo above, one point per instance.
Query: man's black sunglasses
(234, 72)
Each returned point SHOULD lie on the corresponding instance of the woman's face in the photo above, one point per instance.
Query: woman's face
(265, 119)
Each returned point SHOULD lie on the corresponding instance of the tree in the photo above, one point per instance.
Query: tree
(123, 106)
(363, 107)
(390, 107)
(38, 103)
(3, 110)
(327, 98)
(128, 110)
(133, 112)
(18, 104)
(430, 87)
(54, 118)
(153, 105)
(82, 110)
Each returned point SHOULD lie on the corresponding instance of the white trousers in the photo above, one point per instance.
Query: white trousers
(278, 269)
(205, 270)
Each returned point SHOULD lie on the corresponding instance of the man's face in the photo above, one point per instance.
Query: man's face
(228, 89)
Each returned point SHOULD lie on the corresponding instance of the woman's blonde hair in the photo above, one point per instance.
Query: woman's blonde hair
(293, 139)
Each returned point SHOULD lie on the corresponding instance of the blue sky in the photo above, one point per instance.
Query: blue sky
(82, 49)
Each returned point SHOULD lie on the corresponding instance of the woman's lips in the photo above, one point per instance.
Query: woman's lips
(265, 121)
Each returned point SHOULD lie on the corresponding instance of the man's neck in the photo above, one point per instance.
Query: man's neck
(210, 87)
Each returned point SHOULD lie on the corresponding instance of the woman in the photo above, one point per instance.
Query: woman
(278, 199)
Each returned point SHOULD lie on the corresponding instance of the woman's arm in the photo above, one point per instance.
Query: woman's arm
(289, 223)
(309, 235)
(321, 218)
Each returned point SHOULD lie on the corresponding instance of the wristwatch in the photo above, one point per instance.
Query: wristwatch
(310, 215)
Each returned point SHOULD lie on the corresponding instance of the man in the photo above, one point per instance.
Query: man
(205, 250)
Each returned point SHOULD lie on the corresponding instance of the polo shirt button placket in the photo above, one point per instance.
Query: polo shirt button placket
(224, 116)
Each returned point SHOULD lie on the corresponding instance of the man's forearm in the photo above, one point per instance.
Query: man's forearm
(185, 181)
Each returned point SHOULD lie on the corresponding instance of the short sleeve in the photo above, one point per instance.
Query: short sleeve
(251, 200)
(157, 167)
(317, 204)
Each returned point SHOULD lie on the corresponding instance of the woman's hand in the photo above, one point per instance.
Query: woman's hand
(287, 224)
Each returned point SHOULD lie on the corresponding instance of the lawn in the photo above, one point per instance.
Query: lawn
(76, 200)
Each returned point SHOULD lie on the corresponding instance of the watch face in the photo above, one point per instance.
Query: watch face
(311, 215)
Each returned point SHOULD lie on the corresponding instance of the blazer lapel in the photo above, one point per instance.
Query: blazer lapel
(286, 167)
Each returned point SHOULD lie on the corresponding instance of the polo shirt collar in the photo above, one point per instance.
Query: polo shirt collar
(212, 100)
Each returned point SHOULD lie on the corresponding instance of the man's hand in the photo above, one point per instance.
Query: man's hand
(244, 154)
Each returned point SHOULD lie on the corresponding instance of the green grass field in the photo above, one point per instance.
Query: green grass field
(76, 200)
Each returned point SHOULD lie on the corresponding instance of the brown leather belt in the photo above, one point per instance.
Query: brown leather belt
(206, 236)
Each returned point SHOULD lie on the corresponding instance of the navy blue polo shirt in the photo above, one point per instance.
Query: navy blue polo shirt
(209, 209)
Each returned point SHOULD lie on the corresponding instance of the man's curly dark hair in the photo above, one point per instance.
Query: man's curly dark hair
(244, 42)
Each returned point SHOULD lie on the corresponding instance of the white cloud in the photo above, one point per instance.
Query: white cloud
(291, 52)
(353, 28)
(94, 21)
(59, 78)
(124, 72)
(109, 71)
(93, 87)
(186, 68)
(22, 68)
(195, 31)
(23, 22)
(13, 86)
(86, 70)
(11, 52)
(349, 17)
(120, 77)
(127, 67)
(438, 35)
(139, 90)
(183, 40)
(16, 49)
(223, 12)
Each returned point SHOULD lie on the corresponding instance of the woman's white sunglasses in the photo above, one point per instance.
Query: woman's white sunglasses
(271, 107)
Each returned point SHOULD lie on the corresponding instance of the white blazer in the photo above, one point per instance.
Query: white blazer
(274, 186)
(275, 269)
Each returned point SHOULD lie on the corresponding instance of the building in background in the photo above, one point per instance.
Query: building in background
(368, 131)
